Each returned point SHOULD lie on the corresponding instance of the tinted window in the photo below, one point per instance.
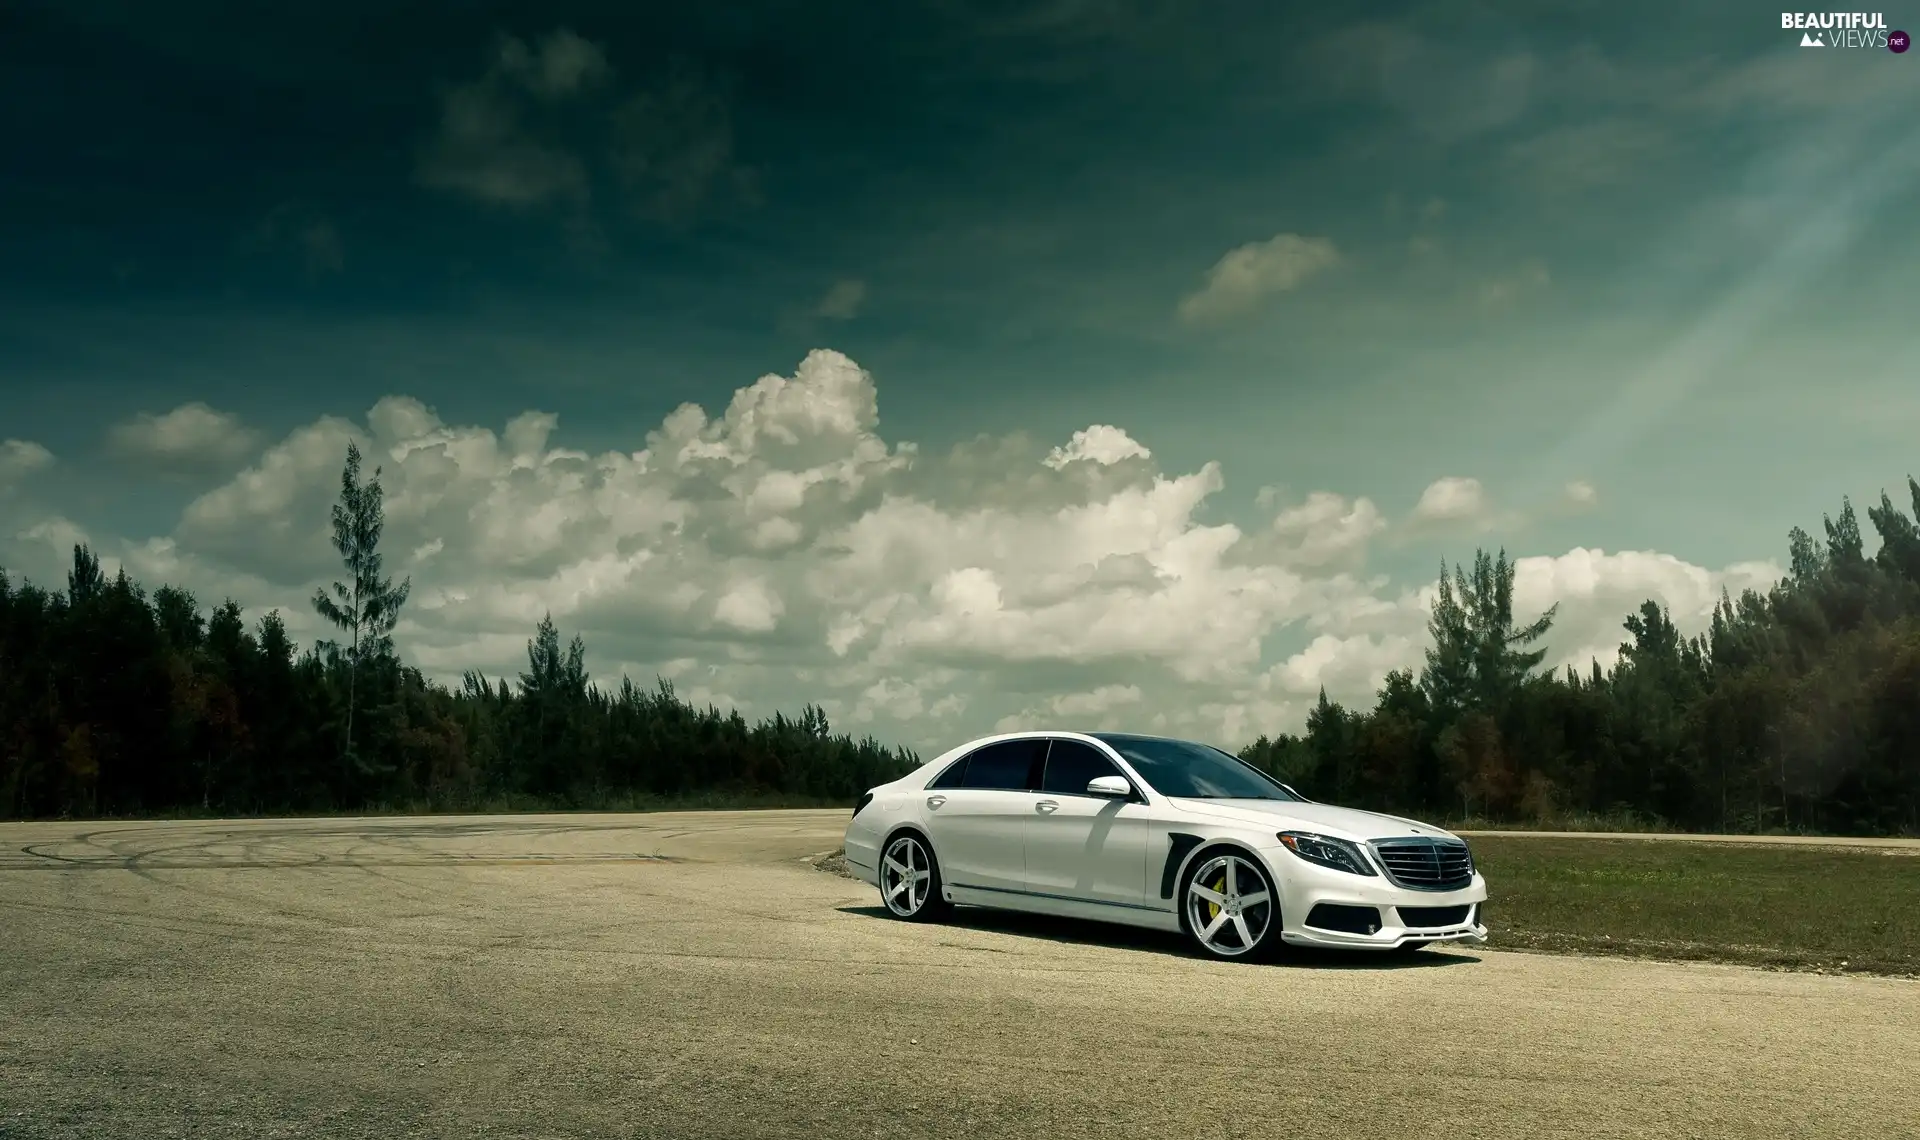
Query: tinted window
(1194, 771)
(1007, 765)
(951, 777)
(1072, 765)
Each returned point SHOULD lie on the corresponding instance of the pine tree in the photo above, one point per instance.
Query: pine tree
(1478, 659)
(367, 607)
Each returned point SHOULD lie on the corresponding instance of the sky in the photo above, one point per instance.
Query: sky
(960, 365)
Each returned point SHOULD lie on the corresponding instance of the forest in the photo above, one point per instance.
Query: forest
(1797, 710)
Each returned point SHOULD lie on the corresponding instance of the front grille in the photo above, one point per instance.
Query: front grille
(1425, 864)
(1432, 916)
(1344, 918)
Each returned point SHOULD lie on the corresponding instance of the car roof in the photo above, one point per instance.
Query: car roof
(1103, 737)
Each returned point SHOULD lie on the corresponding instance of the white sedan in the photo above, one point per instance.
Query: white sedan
(1159, 833)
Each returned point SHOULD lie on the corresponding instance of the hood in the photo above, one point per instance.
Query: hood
(1283, 815)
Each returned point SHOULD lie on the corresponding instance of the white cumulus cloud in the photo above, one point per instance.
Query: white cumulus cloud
(191, 437)
(782, 550)
(20, 457)
(1326, 530)
(1453, 499)
(1597, 590)
(1102, 444)
(1245, 276)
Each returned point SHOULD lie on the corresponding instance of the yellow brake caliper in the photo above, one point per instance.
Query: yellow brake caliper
(1220, 887)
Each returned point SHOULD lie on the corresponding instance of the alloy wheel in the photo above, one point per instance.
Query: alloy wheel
(906, 877)
(1229, 906)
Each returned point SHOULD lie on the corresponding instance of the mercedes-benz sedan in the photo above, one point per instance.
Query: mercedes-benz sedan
(1160, 833)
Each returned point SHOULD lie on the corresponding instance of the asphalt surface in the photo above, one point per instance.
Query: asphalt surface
(689, 976)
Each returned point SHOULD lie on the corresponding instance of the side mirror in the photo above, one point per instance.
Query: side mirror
(1111, 787)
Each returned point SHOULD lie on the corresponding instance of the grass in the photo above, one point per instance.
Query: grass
(1796, 908)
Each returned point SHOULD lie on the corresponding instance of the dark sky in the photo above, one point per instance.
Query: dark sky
(1641, 274)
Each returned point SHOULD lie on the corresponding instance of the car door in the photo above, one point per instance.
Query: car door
(1083, 847)
(977, 815)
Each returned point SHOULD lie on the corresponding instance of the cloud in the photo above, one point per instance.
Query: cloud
(1580, 495)
(782, 550)
(1366, 637)
(192, 438)
(1355, 665)
(560, 66)
(842, 300)
(20, 458)
(1103, 709)
(535, 127)
(1455, 505)
(1596, 591)
(484, 150)
(1239, 281)
(1102, 444)
(673, 149)
(1454, 499)
(489, 146)
(37, 546)
(1325, 531)
(35, 542)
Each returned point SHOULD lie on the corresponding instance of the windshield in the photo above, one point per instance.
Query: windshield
(1193, 771)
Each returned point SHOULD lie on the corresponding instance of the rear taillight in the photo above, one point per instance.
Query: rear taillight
(865, 799)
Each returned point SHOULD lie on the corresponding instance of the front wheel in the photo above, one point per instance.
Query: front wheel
(1230, 908)
(910, 881)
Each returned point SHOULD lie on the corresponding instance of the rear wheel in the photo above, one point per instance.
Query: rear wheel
(910, 880)
(1229, 907)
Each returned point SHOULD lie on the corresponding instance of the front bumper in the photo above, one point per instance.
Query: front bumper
(1305, 886)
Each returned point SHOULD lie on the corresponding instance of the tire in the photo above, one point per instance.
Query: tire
(919, 900)
(1240, 931)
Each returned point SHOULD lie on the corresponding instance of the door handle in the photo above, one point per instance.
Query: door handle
(1047, 806)
(935, 801)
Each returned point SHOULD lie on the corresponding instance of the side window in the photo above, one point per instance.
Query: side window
(950, 778)
(1072, 765)
(1006, 766)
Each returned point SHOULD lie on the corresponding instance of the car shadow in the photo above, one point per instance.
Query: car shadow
(1089, 933)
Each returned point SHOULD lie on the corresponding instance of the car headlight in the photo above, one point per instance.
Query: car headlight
(1327, 851)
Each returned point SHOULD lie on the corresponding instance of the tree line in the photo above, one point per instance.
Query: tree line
(114, 701)
(1798, 709)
